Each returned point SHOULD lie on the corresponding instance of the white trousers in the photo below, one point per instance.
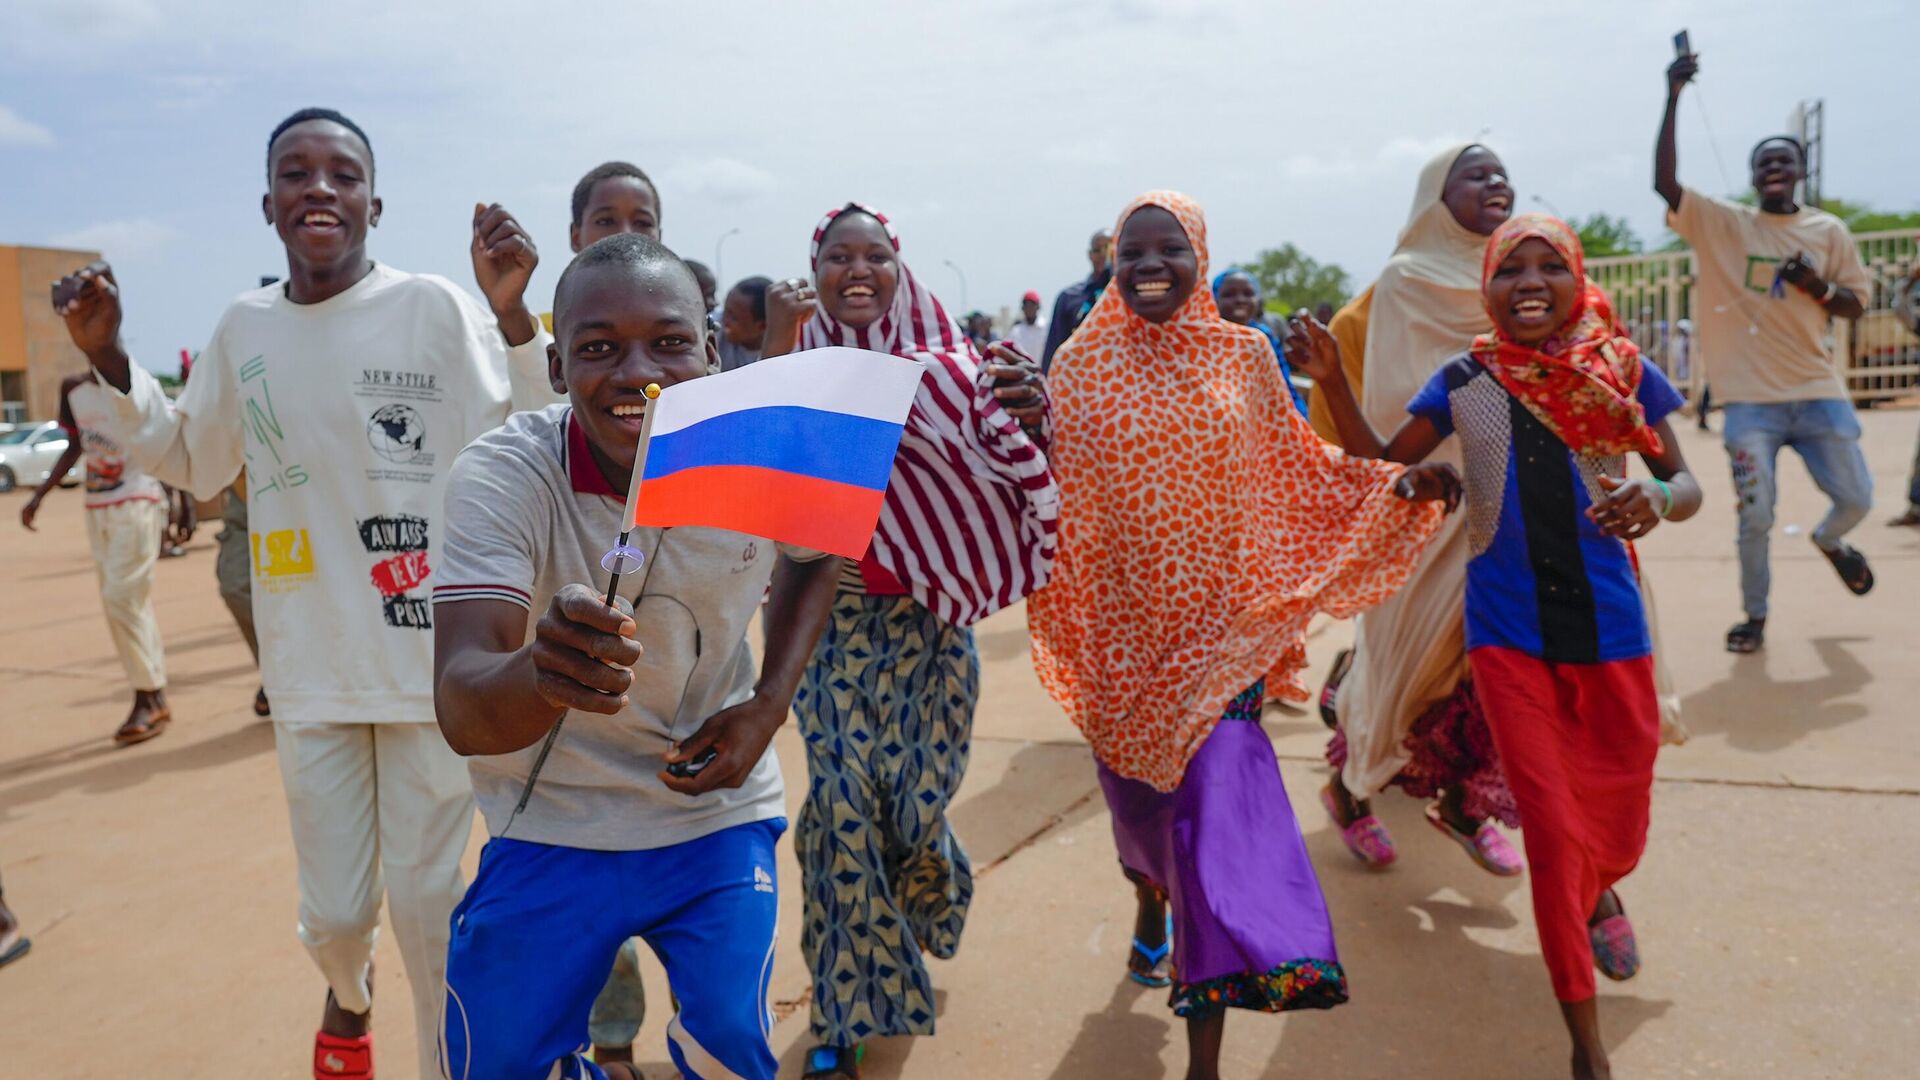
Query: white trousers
(126, 545)
(378, 806)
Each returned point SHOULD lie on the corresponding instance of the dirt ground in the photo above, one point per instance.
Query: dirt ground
(1776, 905)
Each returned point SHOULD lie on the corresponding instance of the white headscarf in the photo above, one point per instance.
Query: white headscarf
(1426, 305)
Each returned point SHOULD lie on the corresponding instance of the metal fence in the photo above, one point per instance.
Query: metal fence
(1652, 293)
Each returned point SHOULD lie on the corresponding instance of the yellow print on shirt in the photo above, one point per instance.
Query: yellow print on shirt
(282, 559)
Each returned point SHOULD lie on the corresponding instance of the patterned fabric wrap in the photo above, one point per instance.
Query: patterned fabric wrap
(971, 509)
(886, 709)
(1204, 523)
(1450, 746)
(1581, 382)
(1300, 984)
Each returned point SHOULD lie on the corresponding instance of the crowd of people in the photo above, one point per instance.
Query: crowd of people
(421, 485)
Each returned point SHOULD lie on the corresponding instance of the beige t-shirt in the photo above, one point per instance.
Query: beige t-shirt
(1757, 347)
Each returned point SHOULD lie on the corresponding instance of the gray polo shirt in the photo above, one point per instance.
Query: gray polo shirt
(527, 513)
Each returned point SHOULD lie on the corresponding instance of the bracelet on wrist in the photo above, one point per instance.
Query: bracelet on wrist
(1667, 507)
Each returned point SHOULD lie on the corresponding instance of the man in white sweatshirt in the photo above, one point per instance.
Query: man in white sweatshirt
(345, 393)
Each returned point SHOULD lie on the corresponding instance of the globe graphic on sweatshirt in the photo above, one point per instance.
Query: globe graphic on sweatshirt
(396, 433)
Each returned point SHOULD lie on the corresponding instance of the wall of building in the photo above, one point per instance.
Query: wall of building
(30, 330)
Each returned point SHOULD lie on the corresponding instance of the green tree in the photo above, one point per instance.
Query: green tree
(1290, 279)
(1602, 235)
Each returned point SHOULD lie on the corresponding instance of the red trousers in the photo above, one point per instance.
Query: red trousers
(1577, 742)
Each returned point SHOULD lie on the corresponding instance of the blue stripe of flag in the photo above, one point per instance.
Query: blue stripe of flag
(833, 446)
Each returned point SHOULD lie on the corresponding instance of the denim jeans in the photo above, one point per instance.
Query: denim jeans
(1826, 435)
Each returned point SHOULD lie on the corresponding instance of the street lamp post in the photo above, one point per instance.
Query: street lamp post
(1551, 209)
(717, 246)
(961, 274)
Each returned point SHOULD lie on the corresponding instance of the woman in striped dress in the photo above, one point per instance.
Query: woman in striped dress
(887, 706)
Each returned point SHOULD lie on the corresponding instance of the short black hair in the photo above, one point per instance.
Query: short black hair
(1799, 151)
(316, 113)
(755, 290)
(583, 190)
(708, 283)
(625, 249)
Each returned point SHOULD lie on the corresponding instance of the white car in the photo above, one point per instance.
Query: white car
(29, 452)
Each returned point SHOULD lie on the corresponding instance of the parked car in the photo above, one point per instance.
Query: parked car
(29, 452)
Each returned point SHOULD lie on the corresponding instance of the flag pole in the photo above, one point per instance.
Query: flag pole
(615, 560)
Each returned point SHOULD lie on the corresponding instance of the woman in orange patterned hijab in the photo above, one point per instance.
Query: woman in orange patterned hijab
(1203, 524)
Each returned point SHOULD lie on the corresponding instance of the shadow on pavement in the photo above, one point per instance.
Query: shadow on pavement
(134, 765)
(1756, 712)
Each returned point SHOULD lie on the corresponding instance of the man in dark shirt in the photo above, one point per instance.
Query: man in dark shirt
(1077, 299)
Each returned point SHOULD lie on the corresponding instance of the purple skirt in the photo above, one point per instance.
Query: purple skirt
(1250, 926)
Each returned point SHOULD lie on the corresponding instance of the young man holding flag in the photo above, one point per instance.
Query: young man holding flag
(619, 741)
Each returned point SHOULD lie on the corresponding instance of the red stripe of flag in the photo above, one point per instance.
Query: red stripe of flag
(802, 510)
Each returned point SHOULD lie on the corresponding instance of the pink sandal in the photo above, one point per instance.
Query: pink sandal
(1486, 847)
(339, 1058)
(1615, 950)
(1365, 837)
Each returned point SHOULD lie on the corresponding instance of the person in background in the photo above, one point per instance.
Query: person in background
(743, 323)
(1238, 296)
(1323, 312)
(1029, 331)
(1906, 302)
(1771, 278)
(181, 522)
(233, 572)
(979, 328)
(709, 287)
(126, 515)
(1074, 301)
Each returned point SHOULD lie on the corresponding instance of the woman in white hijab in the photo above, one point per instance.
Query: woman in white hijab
(1406, 715)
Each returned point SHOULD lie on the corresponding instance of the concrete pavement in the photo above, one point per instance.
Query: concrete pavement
(1776, 905)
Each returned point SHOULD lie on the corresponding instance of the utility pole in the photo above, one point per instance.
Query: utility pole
(1808, 124)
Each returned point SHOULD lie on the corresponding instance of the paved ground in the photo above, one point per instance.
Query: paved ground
(1776, 905)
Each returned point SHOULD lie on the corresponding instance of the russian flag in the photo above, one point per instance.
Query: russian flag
(794, 448)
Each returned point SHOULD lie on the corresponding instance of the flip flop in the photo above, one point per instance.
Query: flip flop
(1485, 846)
(1365, 837)
(14, 949)
(338, 1058)
(260, 705)
(1615, 950)
(1155, 958)
(129, 735)
(1852, 567)
(830, 1061)
(1746, 637)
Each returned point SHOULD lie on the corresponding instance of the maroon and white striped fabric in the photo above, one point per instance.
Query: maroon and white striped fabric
(968, 525)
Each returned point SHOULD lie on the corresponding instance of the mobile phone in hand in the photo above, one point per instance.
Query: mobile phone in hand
(1682, 45)
(687, 770)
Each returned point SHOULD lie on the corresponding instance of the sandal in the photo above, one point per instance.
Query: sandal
(1365, 837)
(338, 1058)
(1159, 960)
(1852, 567)
(829, 1061)
(13, 946)
(1615, 951)
(131, 733)
(1342, 663)
(1746, 637)
(260, 706)
(1485, 846)
(1911, 517)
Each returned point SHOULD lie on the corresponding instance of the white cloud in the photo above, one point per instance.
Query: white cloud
(722, 179)
(98, 18)
(17, 130)
(135, 239)
(1416, 151)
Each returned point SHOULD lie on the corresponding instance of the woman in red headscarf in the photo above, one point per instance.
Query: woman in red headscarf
(1547, 407)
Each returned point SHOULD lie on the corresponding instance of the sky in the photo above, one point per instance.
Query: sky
(996, 134)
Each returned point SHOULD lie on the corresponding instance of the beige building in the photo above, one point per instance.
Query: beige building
(35, 352)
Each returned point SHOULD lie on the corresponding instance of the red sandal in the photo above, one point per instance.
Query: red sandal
(336, 1057)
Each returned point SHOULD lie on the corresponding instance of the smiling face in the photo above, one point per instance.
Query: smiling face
(1477, 192)
(619, 326)
(858, 270)
(1239, 299)
(618, 204)
(1532, 292)
(1776, 171)
(1154, 264)
(320, 195)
